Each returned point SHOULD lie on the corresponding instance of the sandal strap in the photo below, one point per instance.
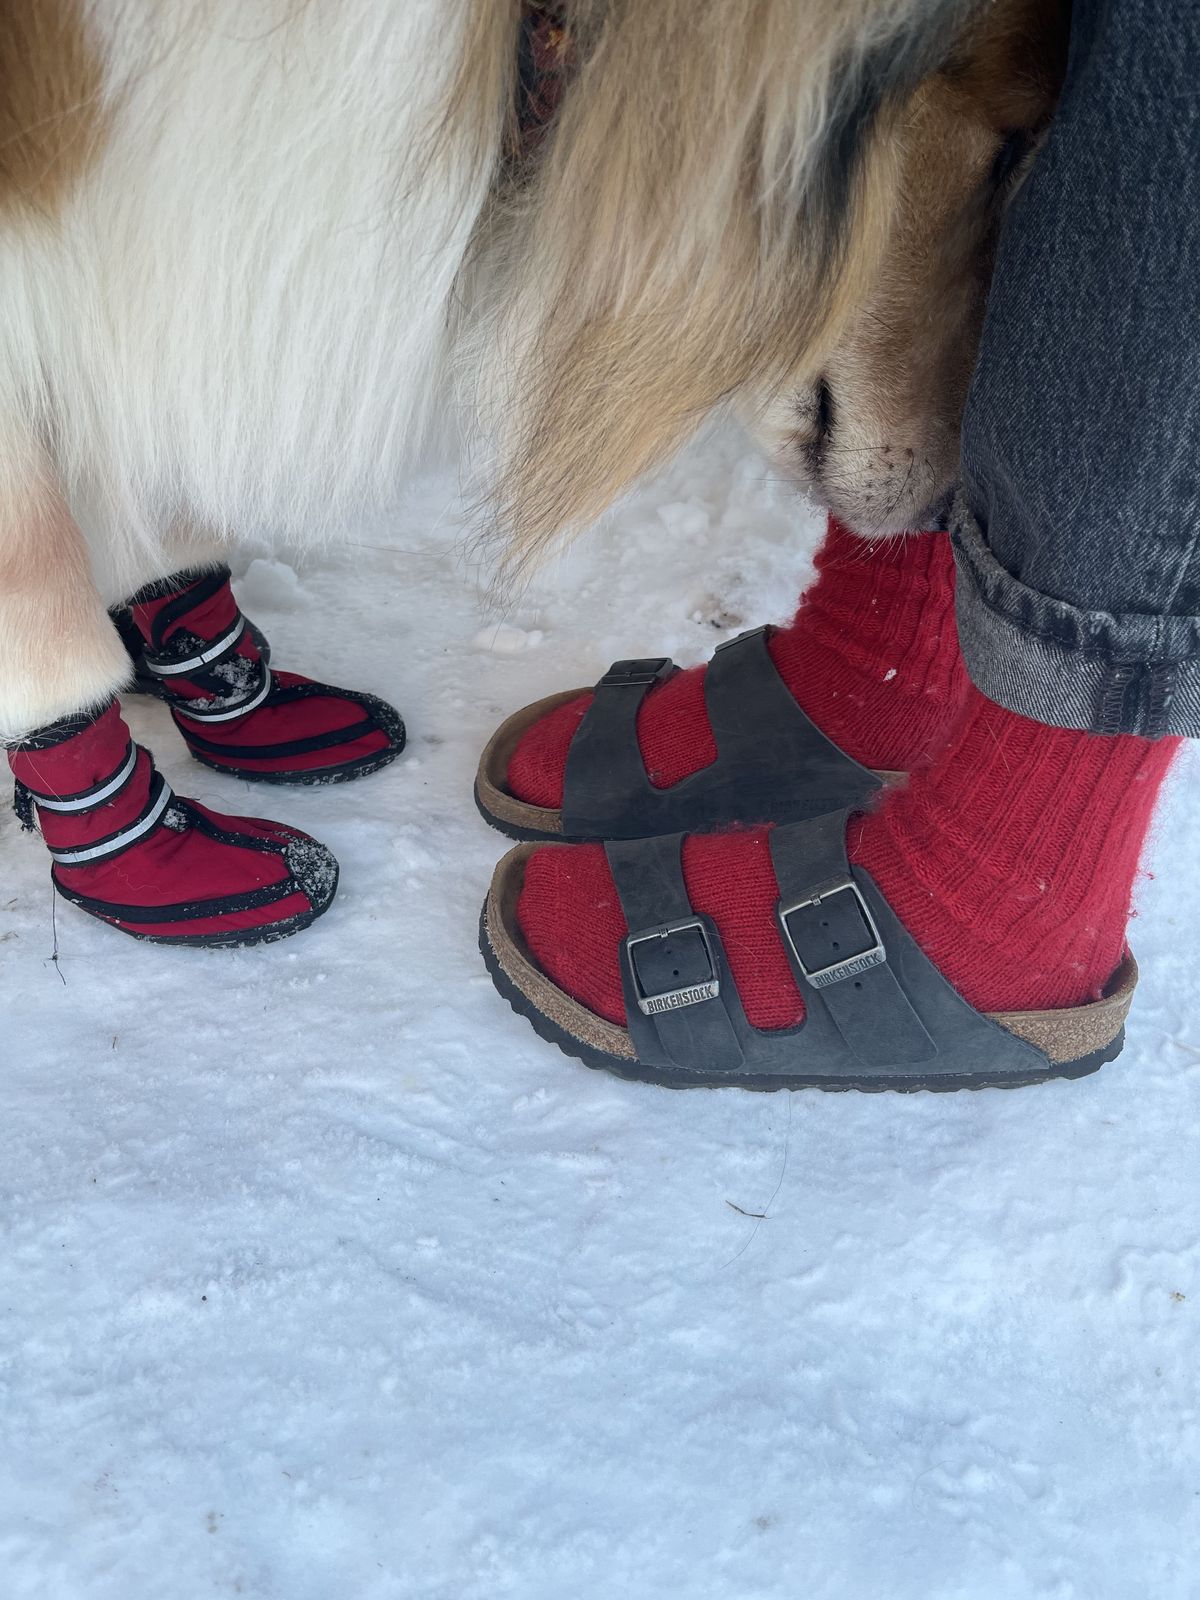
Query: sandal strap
(875, 1006)
(768, 751)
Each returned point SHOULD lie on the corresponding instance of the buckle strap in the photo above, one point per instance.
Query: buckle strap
(85, 799)
(876, 1008)
(180, 667)
(834, 945)
(682, 951)
(114, 844)
(223, 710)
(637, 673)
(772, 760)
(681, 1005)
(853, 918)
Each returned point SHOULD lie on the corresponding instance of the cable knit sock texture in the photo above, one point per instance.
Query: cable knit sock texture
(872, 656)
(1011, 859)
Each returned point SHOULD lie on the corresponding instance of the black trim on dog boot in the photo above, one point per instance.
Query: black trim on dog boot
(773, 762)
(878, 1014)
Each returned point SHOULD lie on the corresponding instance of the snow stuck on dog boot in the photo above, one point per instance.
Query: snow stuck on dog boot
(130, 853)
(236, 712)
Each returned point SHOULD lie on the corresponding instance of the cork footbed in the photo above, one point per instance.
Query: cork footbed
(516, 817)
(1064, 1036)
(493, 799)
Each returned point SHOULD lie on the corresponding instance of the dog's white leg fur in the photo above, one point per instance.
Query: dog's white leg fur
(236, 312)
(59, 652)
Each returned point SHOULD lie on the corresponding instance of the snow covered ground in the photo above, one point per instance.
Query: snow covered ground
(323, 1277)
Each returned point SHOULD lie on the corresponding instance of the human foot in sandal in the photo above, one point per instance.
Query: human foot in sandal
(782, 724)
(971, 932)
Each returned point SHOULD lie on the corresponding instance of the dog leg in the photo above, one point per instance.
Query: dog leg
(59, 651)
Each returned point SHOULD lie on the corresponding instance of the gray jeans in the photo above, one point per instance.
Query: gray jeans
(1078, 527)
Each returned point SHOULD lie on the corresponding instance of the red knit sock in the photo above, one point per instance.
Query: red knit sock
(872, 656)
(1011, 860)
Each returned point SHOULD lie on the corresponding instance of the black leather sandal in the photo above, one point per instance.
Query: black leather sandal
(773, 763)
(878, 1013)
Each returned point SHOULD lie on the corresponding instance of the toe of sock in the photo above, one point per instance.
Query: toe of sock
(536, 766)
(573, 923)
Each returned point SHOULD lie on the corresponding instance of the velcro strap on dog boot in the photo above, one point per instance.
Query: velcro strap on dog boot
(129, 852)
(772, 759)
(234, 711)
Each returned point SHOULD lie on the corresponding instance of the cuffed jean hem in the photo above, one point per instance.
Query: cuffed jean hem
(1070, 668)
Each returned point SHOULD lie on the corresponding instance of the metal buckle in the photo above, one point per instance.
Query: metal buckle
(693, 994)
(636, 673)
(836, 971)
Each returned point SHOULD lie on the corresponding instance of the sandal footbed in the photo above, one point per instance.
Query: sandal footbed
(1076, 1041)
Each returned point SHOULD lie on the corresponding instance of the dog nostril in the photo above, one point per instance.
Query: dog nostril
(824, 409)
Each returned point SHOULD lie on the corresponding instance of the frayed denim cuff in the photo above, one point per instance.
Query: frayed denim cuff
(1070, 668)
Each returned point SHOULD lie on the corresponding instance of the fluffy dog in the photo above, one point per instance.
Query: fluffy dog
(234, 241)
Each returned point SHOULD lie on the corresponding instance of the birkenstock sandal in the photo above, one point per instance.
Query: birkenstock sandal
(878, 1014)
(773, 762)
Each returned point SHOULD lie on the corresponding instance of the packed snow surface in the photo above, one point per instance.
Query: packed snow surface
(322, 1276)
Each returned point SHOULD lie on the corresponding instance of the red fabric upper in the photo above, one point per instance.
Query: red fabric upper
(256, 741)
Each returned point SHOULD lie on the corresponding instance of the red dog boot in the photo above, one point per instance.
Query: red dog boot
(235, 711)
(127, 851)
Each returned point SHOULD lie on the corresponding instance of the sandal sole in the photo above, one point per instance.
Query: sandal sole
(491, 944)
